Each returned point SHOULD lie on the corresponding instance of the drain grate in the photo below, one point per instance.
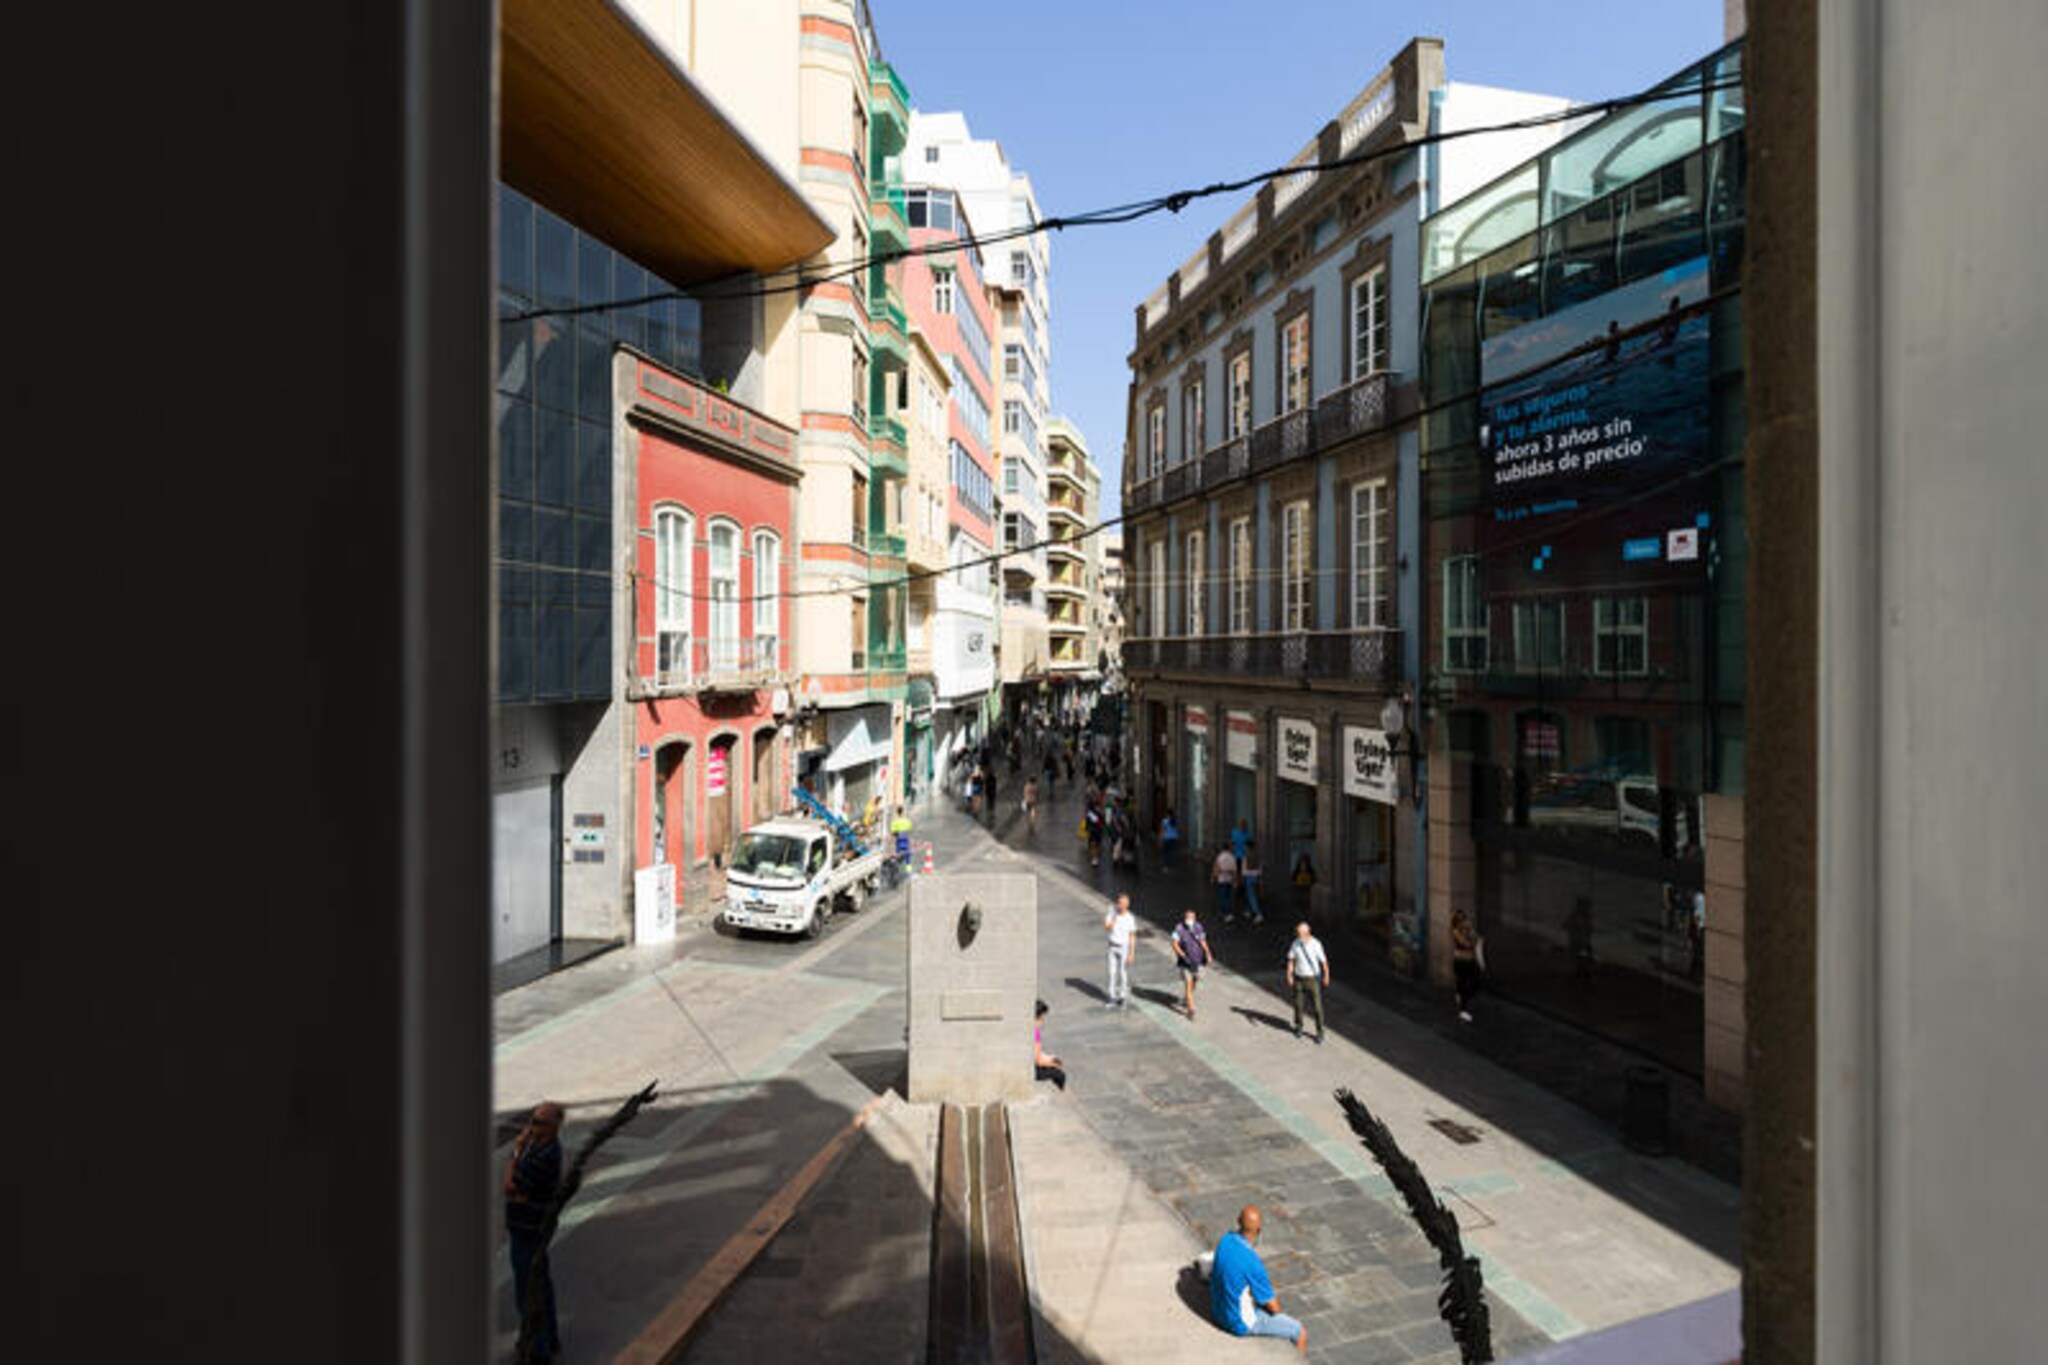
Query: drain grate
(1462, 1134)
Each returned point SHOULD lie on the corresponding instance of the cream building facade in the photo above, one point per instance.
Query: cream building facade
(807, 80)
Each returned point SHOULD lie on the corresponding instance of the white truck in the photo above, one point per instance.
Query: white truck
(790, 874)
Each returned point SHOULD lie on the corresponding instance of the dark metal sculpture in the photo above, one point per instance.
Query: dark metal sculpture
(1462, 1301)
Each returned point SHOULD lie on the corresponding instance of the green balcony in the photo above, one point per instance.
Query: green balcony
(888, 334)
(888, 227)
(886, 545)
(888, 447)
(889, 105)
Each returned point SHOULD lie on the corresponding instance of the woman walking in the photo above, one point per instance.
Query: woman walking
(1468, 961)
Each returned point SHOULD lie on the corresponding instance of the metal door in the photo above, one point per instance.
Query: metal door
(522, 870)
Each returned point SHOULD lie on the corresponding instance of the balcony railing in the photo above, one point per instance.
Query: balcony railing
(1370, 657)
(886, 545)
(1284, 438)
(1231, 460)
(684, 663)
(1359, 407)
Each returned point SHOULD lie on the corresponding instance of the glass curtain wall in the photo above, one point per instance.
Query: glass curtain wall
(1583, 435)
(554, 415)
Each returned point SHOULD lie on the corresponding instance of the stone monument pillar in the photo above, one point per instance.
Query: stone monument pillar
(973, 947)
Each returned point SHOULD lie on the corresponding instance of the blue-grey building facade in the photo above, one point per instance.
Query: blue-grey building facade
(1270, 482)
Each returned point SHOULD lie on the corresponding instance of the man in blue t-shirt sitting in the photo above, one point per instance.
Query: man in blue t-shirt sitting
(1241, 1297)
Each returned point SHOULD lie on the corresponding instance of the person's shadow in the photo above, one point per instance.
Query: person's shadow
(1273, 1021)
(1164, 999)
(1087, 988)
(1194, 1292)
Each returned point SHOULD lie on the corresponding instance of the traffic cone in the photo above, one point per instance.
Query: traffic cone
(927, 860)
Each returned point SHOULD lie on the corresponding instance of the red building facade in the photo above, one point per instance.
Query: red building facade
(713, 492)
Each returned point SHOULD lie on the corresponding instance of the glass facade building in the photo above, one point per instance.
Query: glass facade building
(554, 565)
(1582, 490)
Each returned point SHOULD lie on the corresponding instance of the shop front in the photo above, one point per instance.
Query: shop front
(1155, 768)
(857, 757)
(1371, 800)
(1194, 810)
(1241, 770)
(1295, 752)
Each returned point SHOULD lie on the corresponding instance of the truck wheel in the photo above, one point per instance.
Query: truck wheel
(857, 897)
(816, 921)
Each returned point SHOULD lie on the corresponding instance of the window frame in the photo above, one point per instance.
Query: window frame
(1155, 437)
(1155, 587)
(1527, 618)
(1464, 598)
(767, 548)
(1369, 558)
(1377, 334)
(672, 600)
(1237, 410)
(1294, 340)
(1615, 631)
(1297, 567)
(944, 286)
(1239, 610)
(1194, 415)
(1193, 610)
(722, 615)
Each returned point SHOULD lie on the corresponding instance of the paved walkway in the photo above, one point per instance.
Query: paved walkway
(1574, 1231)
(766, 1049)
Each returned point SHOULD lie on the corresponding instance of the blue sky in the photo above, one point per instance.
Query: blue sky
(1106, 101)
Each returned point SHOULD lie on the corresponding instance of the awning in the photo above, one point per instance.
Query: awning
(598, 123)
(857, 739)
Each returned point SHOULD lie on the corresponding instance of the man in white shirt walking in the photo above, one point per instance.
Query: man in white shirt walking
(1308, 971)
(1122, 927)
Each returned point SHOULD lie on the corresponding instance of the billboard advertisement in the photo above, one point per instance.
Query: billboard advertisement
(1594, 436)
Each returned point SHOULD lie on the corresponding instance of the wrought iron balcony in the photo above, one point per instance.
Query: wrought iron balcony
(1370, 657)
(1231, 460)
(683, 663)
(1284, 438)
(1361, 406)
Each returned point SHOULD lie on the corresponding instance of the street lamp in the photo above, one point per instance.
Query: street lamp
(1402, 741)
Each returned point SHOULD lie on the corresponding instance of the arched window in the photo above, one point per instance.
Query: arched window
(722, 567)
(767, 600)
(672, 529)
